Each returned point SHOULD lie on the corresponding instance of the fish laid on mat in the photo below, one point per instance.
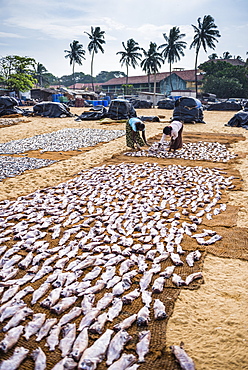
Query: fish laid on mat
(13, 363)
(185, 362)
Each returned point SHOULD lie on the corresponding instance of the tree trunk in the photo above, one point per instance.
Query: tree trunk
(170, 79)
(126, 81)
(149, 84)
(73, 74)
(154, 89)
(91, 71)
(196, 58)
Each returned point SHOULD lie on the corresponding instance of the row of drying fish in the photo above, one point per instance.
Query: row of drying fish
(114, 224)
(200, 151)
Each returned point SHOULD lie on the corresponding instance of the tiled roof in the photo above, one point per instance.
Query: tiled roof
(80, 86)
(188, 75)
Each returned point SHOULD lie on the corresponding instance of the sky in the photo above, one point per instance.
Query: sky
(43, 29)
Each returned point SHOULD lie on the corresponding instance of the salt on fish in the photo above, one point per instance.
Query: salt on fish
(142, 347)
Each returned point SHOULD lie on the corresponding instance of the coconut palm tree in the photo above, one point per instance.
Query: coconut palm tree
(227, 55)
(152, 61)
(96, 40)
(130, 55)
(76, 54)
(39, 70)
(205, 35)
(173, 47)
(213, 56)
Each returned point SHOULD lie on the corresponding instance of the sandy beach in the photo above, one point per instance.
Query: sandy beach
(211, 320)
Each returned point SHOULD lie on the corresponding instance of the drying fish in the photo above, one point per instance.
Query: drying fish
(38, 293)
(53, 338)
(69, 335)
(158, 285)
(177, 280)
(42, 272)
(105, 301)
(167, 272)
(143, 316)
(146, 297)
(40, 359)
(87, 303)
(63, 304)
(9, 293)
(88, 319)
(60, 281)
(185, 362)
(191, 277)
(94, 354)
(10, 308)
(17, 318)
(116, 346)
(130, 297)
(33, 326)
(46, 327)
(66, 363)
(72, 314)
(26, 261)
(98, 325)
(126, 323)
(69, 290)
(210, 241)
(125, 266)
(115, 309)
(100, 285)
(142, 347)
(192, 257)
(11, 338)
(82, 286)
(124, 362)
(176, 259)
(93, 273)
(80, 344)
(52, 298)
(159, 310)
(13, 363)
(145, 280)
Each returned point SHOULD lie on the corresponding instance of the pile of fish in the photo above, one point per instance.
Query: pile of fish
(13, 166)
(200, 151)
(10, 121)
(62, 140)
(74, 255)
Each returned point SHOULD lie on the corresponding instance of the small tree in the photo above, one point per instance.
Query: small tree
(173, 47)
(75, 54)
(130, 55)
(205, 36)
(96, 41)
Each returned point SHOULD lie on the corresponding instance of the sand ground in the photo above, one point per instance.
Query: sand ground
(211, 321)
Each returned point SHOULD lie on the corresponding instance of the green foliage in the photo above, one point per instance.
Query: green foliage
(221, 74)
(104, 76)
(223, 87)
(17, 72)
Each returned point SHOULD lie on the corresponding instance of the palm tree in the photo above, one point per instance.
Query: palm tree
(227, 55)
(205, 35)
(76, 54)
(213, 56)
(130, 55)
(96, 40)
(173, 47)
(39, 70)
(152, 61)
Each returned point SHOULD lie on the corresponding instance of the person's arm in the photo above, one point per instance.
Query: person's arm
(144, 138)
(134, 139)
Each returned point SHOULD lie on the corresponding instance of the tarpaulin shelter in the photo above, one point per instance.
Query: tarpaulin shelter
(121, 109)
(9, 105)
(188, 109)
(96, 113)
(142, 104)
(225, 106)
(166, 104)
(52, 110)
(240, 119)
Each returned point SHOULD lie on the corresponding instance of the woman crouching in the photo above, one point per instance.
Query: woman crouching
(174, 130)
(133, 126)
